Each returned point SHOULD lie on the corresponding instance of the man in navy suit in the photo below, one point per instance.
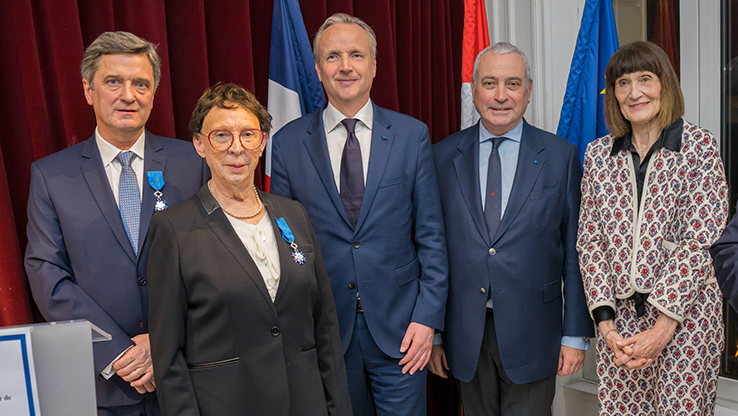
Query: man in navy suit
(89, 211)
(365, 176)
(725, 257)
(510, 196)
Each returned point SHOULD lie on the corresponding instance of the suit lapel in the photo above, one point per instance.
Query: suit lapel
(317, 149)
(382, 140)
(530, 163)
(223, 230)
(153, 161)
(284, 249)
(97, 180)
(467, 173)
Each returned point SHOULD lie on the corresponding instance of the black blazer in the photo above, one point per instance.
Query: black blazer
(220, 345)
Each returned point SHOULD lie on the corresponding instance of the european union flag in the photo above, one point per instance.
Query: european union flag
(583, 112)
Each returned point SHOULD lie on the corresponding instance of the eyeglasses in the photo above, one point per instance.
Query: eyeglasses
(222, 140)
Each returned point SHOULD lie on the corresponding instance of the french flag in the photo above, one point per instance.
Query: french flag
(294, 88)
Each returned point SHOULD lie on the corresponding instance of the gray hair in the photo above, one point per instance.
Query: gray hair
(118, 42)
(503, 48)
(345, 18)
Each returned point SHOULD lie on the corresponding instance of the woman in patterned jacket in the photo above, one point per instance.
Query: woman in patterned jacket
(654, 199)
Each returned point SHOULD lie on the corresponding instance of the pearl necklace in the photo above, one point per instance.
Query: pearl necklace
(240, 217)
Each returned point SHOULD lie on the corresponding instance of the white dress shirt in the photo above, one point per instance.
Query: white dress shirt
(108, 153)
(261, 244)
(335, 135)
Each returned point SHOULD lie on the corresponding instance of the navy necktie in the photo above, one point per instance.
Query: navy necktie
(493, 199)
(129, 198)
(352, 173)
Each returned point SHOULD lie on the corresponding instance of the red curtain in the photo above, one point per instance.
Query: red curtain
(200, 43)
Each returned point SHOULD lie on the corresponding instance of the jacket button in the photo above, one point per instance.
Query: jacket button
(357, 244)
(275, 331)
(141, 281)
(352, 285)
(482, 290)
(492, 251)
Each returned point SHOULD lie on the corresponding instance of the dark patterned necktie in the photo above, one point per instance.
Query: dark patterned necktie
(493, 199)
(352, 173)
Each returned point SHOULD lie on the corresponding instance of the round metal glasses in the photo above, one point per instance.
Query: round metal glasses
(222, 140)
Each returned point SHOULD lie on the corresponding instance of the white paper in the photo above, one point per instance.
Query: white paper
(18, 395)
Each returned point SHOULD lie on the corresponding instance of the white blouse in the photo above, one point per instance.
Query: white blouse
(261, 244)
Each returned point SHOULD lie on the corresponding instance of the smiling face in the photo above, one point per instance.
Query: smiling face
(639, 96)
(122, 96)
(232, 169)
(345, 66)
(500, 93)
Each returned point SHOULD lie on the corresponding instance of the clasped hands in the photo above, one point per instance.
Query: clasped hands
(641, 349)
(135, 366)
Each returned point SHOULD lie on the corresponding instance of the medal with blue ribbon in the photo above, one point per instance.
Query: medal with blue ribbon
(156, 180)
(297, 255)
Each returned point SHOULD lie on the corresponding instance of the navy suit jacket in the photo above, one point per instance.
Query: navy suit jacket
(79, 261)
(725, 257)
(400, 279)
(529, 257)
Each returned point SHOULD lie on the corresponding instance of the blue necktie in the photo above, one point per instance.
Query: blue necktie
(129, 198)
(493, 200)
(352, 173)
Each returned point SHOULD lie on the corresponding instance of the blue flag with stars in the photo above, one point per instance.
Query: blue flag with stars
(583, 112)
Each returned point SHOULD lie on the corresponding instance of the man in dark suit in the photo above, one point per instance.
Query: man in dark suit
(725, 257)
(365, 176)
(89, 211)
(510, 196)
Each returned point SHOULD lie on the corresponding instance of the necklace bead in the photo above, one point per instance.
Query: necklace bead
(240, 217)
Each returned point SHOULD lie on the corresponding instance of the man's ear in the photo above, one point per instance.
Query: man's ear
(88, 91)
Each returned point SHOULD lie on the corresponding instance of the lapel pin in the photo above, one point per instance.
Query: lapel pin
(384, 137)
(535, 161)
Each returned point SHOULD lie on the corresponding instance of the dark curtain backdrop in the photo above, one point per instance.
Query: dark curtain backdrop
(200, 42)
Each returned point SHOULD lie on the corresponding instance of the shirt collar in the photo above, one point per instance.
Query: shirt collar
(515, 134)
(670, 138)
(108, 152)
(332, 117)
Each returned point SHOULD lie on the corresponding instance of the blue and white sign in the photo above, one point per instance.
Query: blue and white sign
(18, 395)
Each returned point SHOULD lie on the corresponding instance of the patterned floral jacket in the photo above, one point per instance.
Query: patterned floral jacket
(661, 249)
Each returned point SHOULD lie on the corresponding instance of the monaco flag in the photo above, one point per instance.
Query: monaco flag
(476, 38)
(294, 88)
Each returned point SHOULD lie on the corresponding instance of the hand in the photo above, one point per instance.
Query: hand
(571, 360)
(649, 343)
(623, 354)
(437, 364)
(135, 365)
(419, 339)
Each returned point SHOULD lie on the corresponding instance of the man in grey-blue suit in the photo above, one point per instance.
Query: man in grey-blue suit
(725, 257)
(365, 176)
(89, 211)
(510, 196)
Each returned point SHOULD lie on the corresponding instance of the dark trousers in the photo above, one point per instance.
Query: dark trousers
(376, 379)
(492, 393)
(146, 407)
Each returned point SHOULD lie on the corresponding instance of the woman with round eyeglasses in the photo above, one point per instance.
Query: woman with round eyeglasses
(242, 319)
(654, 198)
